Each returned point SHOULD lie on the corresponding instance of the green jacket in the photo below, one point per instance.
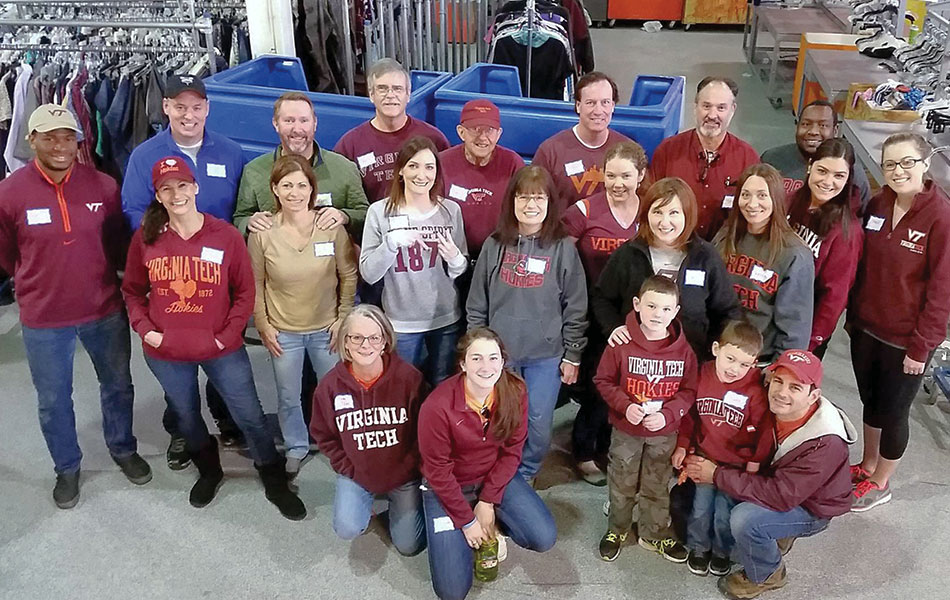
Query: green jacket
(336, 176)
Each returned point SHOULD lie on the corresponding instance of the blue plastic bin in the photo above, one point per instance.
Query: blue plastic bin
(653, 113)
(242, 102)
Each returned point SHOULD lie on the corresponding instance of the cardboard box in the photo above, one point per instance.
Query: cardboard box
(858, 109)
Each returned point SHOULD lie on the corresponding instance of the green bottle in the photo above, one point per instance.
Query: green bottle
(486, 561)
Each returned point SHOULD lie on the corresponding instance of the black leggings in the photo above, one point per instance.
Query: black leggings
(886, 391)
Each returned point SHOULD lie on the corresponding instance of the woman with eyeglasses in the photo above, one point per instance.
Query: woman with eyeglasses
(529, 286)
(899, 307)
(472, 429)
(771, 268)
(365, 419)
(821, 214)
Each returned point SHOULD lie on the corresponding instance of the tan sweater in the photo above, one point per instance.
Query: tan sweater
(302, 290)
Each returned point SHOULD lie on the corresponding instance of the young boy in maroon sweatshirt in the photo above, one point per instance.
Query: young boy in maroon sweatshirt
(649, 383)
(730, 425)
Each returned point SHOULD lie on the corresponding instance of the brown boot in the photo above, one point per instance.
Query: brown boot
(785, 545)
(738, 587)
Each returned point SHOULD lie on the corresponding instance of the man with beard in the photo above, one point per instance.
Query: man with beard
(817, 122)
(708, 158)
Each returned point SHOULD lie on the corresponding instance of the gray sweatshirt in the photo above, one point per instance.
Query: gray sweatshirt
(534, 297)
(777, 298)
(419, 292)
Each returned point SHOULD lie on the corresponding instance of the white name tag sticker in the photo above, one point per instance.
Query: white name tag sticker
(38, 216)
(366, 160)
(761, 275)
(458, 192)
(573, 168)
(735, 400)
(695, 277)
(324, 199)
(212, 255)
(875, 223)
(536, 265)
(323, 249)
(728, 201)
(217, 170)
(343, 402)
(399, 222)
(652, 406)
(440, 524)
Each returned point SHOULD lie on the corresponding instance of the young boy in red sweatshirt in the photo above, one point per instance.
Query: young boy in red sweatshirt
(729, 424)
(649, 383)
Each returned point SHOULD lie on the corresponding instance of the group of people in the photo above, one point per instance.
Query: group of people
(425, 306)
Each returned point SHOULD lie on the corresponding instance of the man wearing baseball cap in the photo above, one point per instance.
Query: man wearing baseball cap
(62, 229)
(806, 483)
(476, 172)
(217, 163)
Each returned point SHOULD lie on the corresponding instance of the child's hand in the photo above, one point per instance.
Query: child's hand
(677, 459)
(634, 413)
(654, 422)
(752, 467)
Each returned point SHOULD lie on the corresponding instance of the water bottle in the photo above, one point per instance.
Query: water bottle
(486, 561)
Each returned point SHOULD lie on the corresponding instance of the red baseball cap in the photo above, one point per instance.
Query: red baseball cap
(480, 112)
(171, 167)
(804, 365)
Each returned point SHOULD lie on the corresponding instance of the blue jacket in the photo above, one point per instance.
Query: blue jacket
(218, 172)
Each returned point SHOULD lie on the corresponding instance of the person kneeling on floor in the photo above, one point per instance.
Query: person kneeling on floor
(805, 485)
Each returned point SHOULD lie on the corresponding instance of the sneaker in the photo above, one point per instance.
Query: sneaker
(720, 565)
(698, 563)
(66, 492)
(740, 587)
(867, 495)
(858, 474)
(502, 548)
(134, 468)
(668, 548)
(610, 545)
(785, 545)
(177, 456)
(233, 439)
(607, 508)
(591, 473)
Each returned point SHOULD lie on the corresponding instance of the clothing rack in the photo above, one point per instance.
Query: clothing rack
(92, 48)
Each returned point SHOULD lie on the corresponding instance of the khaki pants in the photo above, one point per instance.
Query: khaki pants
(640, 465)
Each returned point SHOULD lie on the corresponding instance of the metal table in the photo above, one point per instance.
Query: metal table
(836, 70)
(867, 137)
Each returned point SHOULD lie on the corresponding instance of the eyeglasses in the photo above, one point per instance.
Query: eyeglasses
(524, 198)
(357, 340)
(905, 163)
(384, 90)
(484, 130)
(709, 158)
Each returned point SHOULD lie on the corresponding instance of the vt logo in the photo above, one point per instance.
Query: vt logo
(93, 206)
(655, 378)
(586, 183)
(915, 236)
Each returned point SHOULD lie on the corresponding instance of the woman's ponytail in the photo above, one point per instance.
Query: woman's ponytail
(154, 221)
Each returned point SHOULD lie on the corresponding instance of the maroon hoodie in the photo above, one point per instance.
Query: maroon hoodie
(902, 291)
(192, 291)
(730, 423)
(370, 435)
(642, 371)
(457, 452)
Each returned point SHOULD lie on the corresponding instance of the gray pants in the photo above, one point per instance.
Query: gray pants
(640, 465)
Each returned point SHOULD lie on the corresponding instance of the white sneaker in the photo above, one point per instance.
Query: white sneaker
(502, 548)
(607, 507)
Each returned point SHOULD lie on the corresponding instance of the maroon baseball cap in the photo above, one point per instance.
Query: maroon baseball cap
(480, 112)
(804, 365)
(171, 167)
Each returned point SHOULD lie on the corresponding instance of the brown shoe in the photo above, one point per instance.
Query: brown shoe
(785, 545)
(737, 586)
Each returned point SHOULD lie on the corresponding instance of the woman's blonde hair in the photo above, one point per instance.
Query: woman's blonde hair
(374, 314)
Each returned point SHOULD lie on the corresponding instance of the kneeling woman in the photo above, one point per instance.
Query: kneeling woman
(471, 432)
(366, 411)
(189, 289)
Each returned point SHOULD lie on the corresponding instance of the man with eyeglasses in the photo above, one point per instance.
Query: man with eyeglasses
(475, 173)
(575, 156)
(817, 122)
(708, 157)
(375, 144)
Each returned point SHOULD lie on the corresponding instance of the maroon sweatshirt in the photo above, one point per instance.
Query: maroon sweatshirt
(729, 424)
(456, 452)
(643, 371)
(62, 238)
(370, 435)
(836, 264)
(192, 291)
(902, 291)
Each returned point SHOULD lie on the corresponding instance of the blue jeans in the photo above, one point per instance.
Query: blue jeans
(50, 353)
(522, 515)
(353, 507)
(287, 369)
(543, 376)
(756, 530)
(231, 375)
(708, 527)
(432, 352)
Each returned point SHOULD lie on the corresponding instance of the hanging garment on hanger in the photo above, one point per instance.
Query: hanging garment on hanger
(19, 119)
(319, 47)
(550, 66)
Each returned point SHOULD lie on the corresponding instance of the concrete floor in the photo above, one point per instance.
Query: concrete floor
(125, 542)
